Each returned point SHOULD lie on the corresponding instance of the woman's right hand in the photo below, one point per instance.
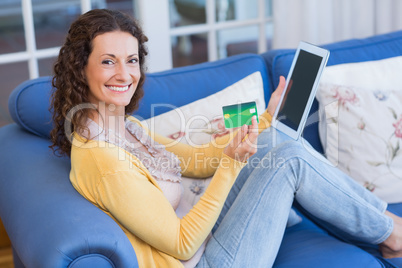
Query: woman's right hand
(243, 146)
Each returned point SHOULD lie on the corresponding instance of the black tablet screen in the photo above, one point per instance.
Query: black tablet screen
(299, 89)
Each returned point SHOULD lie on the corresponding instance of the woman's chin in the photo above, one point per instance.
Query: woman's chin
(114, 105)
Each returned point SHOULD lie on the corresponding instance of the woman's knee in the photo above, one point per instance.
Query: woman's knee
(274, 148)
(286, 150)
(268, 140)
(292, 149)
(271, 137)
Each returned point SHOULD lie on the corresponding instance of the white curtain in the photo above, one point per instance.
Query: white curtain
(326, 21)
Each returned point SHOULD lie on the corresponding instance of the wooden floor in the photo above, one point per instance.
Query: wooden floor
(6, 258)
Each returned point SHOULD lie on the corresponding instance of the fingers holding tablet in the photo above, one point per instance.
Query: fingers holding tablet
(276, 96)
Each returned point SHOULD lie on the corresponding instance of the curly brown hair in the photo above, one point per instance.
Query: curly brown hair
(69, 83)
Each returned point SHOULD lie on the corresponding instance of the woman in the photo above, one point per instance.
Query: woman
(118, 167)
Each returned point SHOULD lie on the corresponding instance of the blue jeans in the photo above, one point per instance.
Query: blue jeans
(249, 231)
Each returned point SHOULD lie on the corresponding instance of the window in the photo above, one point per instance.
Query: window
(186, 32)
(31, 33)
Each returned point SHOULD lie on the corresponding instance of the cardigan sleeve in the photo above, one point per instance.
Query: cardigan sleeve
(144, 211)
(202, 161)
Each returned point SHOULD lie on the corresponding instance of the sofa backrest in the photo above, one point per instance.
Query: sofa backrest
(355, 50)
(29, 102)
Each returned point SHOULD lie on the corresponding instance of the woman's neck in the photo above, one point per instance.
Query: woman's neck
(110, 117)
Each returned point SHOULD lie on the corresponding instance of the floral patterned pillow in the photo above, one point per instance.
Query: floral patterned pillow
(201, 121)
(361, 126)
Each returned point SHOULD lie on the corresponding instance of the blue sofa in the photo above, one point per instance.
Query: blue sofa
(51, 225)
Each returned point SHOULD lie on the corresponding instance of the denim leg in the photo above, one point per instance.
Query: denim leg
(267, 140)
(251, 230)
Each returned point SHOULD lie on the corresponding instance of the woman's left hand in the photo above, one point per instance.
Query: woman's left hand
(276, 96)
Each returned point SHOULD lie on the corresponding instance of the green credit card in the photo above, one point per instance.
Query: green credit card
(239, 114)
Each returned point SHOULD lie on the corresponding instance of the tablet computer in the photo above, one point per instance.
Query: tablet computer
(300, 89)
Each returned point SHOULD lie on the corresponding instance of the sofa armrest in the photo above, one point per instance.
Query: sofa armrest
(48, 222)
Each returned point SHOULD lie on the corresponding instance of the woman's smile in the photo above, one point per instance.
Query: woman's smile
(118, 88)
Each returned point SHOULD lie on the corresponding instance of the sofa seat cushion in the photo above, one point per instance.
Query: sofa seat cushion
(306, 245)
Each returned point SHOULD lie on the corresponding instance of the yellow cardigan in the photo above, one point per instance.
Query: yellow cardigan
(120, 185)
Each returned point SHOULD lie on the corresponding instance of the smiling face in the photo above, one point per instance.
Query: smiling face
(113, 69)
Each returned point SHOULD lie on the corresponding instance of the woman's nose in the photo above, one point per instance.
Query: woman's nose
(122, 72)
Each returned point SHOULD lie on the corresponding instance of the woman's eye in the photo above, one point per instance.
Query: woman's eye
(135, 60)
(107, 62)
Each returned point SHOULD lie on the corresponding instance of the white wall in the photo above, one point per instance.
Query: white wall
(326, 21)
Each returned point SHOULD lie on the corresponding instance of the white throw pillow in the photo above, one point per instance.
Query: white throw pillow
(361, 123)
(201, 121)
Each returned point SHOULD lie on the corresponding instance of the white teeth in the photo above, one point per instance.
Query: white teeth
(119, 89)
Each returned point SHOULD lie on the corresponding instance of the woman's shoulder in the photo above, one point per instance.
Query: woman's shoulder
(100, 155)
